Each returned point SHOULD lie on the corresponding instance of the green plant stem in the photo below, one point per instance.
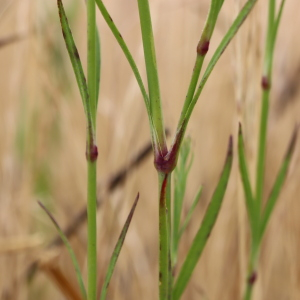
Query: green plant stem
(164, 238)
(92, 231)
(262, 150)
(189, 106)
(252, 275)
(202, 49)
(92, 153)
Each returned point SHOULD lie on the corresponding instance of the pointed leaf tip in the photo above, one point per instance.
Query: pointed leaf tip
(292, 144)
(240, 128)
(48, 213)
(230, 146)
(117, 250)
(70, 250)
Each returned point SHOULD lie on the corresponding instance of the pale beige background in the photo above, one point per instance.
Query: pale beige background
(42, 145)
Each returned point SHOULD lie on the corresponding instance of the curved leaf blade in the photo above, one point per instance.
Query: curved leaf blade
(219, 51)
(69, 248)
(205, 229)
(190, 212)
(117, 250)
(246, 181)
(280, 179)
(76, 63)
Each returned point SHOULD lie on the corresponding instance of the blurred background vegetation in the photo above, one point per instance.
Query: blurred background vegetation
(42, 149)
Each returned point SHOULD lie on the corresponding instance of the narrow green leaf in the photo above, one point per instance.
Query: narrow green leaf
(278, 19)
(275, 30)
(266, 84)
(205, 229)
(98, 65)
(280, 179)
(69, 248)
(125, 50)
(180, 179)
(219, 51)
(91, 72)
(152, 74)
(202, 49)
(76, 63)
(117, 250)
(132, 64)
(190, 212)
(253, 218)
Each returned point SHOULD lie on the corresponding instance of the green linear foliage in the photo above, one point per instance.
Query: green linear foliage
(69, 248)
(91, 57)
(108, 19)
(190, 212)
(152, 75)
(219, 51)
(246, 181)
(202, 49)
(281, 176)
(165, 161)
(180, 179)
(88, 91)
(92, 151)
(205, 229)
(117, 250)
(273, 24)
(261, 217)
(76, 63)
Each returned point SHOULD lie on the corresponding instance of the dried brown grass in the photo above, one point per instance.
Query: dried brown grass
(42, 141)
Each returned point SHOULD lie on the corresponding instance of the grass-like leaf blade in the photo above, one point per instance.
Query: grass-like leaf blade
(69, 248)
(180, 179)
(117, 250)
(190, 212)
(76, 63)
(125, 49)
(219, 51)
(115, 31)
(246, 181)
(205, 229)
(280, 179)
(152, 74)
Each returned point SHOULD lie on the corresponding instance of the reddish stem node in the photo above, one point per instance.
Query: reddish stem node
(252, 278)
(92, 153)
(203, 47)
(265, 83)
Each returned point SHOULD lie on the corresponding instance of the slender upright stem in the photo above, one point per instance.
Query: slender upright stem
(152, 77)
(262, 149)
(92, 231)
(91, 56)
(164, 238)
(252, 273)
(92, 153)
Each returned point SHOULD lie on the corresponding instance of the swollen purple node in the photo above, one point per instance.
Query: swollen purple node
(252, 278)
(92, 153)
(265, 83)
(203, 47)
